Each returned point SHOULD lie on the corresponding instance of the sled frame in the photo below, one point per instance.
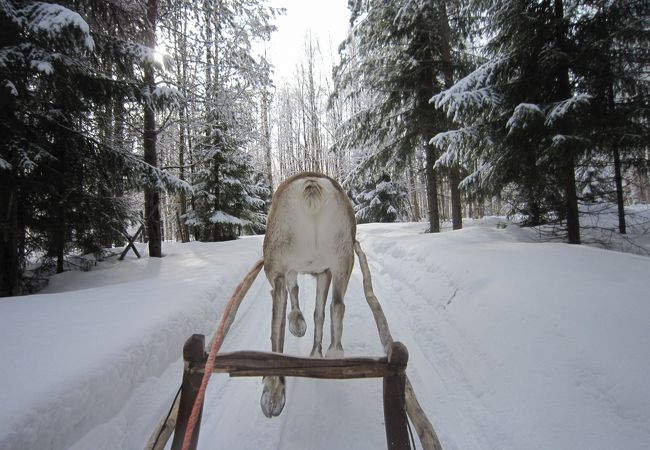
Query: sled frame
(390, 368)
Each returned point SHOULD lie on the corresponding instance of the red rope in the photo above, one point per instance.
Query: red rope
(212, 356)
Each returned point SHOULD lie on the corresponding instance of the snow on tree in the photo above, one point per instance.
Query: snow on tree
(381, 200)
(518, 113)
(230, 197)
(392, 62)
(66, 72)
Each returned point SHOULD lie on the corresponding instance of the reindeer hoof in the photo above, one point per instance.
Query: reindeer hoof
(297, 324)
(334, 352)
(316, 352)
(273, 396)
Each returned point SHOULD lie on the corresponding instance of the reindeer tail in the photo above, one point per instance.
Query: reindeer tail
(314, 196)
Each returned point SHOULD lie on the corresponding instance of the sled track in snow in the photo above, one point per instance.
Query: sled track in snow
(432, 332)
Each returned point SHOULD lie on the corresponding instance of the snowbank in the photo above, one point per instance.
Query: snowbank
(513, 344)
(72, 358)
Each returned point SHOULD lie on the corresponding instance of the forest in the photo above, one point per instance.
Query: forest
(165, 114)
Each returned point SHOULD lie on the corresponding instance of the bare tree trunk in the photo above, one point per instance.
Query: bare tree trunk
(415, 207)
(181, 66)
(266, 138)
(573, 221)
(619, 191)
(448, 72)
(456, 206)
(119, 139)
(182, 197)
(9, 257)
(618, 178)
(59, 241)
(432, 189)
(642, 174)
(314, 131)
(151, 193)
(568, 165)
(442, 199)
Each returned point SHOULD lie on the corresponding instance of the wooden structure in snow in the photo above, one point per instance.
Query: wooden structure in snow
(255, 364)
(399, 396)
(131, 243)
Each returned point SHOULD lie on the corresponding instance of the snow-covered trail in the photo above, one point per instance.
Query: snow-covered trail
(437, 377)
(520, 345)
(457, 366)
(513, 345)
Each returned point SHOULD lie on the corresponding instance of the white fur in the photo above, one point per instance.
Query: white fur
(311, 230)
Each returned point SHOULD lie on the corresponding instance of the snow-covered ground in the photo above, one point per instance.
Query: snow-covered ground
(513, 344)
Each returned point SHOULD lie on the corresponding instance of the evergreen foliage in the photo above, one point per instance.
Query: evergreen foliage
(391, 65)
(562, 84)
(518, 119)
(381, 200)
(230, 199)
(64, 168)
(230, 195)
(613, 42)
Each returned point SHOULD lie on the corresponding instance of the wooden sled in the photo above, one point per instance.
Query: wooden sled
(399, 396)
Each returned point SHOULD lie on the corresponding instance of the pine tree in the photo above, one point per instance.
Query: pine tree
(395, 56)
(519, 113)
(65, 80)
(612, 42)
(381, 200)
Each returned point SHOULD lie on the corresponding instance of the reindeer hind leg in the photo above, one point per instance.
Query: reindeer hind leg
(337, 310)
(273, 394)
(297, 324)
(322, 288)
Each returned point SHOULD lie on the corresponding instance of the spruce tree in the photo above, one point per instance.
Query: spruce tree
(67, 71)
(229, 196)
(612, 39)
(395, 57)
(380, 200)
(519, 113)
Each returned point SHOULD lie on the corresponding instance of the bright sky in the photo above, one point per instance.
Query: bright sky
(327, 20)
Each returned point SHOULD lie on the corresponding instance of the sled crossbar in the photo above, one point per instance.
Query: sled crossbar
(390, 368)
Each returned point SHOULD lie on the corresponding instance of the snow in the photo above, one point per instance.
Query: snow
(167, 92)
(12, 88)
(523, 114)
(147, 55)
(514, 344)
(471, 91)
(43, 66)
(224, 217)
(560, 109)
(52, 19)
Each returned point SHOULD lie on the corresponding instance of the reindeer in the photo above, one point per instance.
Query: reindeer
(310, 229)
